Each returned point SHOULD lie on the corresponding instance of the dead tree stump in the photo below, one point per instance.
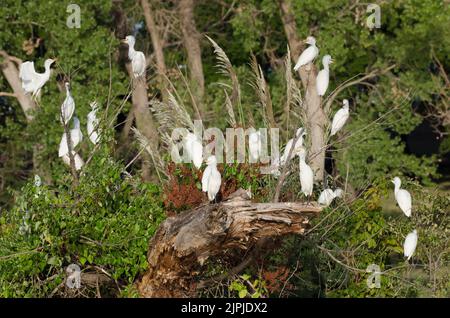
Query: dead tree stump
(183, 243)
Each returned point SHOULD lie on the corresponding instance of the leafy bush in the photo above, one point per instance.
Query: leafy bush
(104, 222)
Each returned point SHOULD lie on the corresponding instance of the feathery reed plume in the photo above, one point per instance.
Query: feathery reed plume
(262, 90)
(158, 162)
(225, 67)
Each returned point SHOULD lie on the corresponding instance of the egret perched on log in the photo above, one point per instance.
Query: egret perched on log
(340, 118)
(254, 145)
(75, 135)
(410, 244)
(68, 106)
(92, 124)
(211, 178)
(137, 58)
(306, 174)
(327, 196)
(300, 133)
(194, 149)
(402, 196)
(323, 78)
(307, 55)
(32, 82)
(76, 158)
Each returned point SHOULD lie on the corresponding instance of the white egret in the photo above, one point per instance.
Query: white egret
(92, 124)
(340, 118)
(37, 181)
(194, 149)
(323, 78)
(402, 196)
(76, 158)
(327, 196)
(68, 106)
(300, 133)
(137, 58)
(409, 246)
(75, 135)
(211, 178)
(307, 55)
(32, 82)
(306, 174)
(254, 145)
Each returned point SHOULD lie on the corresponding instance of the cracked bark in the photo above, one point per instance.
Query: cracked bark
(184, 243)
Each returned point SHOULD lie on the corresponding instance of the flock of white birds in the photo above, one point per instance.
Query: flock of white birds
(32, 82)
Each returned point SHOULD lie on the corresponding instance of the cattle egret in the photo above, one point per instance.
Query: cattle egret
(410, 244)
(323, 78)
(340, 118)
(211, 178)
(92, 124)
(300, 133)
(67, 107)
(75, 135)
(402, 196)
(327, 196)
(306, 174)
(137, 58)
(254, 145)
(32, 82)
(307, 55)
(194, 149)
(76, 158)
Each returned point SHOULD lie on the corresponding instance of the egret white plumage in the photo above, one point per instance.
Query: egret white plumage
(254, 145)
(194, 149)
(340, 118)
(327, 196)
(137, 58)
(92, 124)
(306, 174)
(307, 55)
(76, 158)
(323, 78)
(402, 196)
(68, 106)
(300, 133)
(32, 82)
(37, 180)
(75, 135)
(211, 178)
(410, 244)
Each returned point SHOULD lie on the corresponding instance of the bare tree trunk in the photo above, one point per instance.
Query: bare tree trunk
(191, 41)
(157, 45)
(183, 243)
(315, 114)
(144, 119)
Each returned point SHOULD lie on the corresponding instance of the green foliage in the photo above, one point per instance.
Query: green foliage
(105, 221)
(244, 286)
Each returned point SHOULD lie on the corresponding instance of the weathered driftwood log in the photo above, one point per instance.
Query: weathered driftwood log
(184, 242)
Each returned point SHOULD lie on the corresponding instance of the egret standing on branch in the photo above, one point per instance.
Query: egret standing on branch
(306, 174)
(254, 145)
(67, 107)
(76, 158)
(323, 78)
(137, 58)
(211, 178)
(32, 82)
(410, 244)
(327, 196)
(75, 135)
(194, 149)
(92, 124)
(402, 196)
(340, 118)
(307, 55)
